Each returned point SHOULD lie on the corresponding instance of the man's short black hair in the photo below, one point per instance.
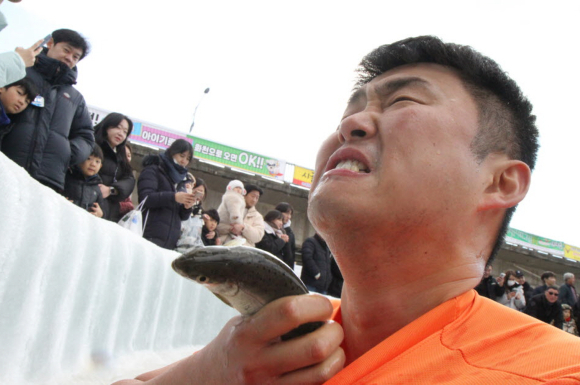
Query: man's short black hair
(213, 214)
(284, 207)
(252, 187)
(73, 38)
(547, 274)
(506, 123)
(27, 85)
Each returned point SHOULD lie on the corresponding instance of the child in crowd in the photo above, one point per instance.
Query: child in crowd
(233, 205)
(569, 324)
(14, 98)
(81, 185)
(190, 237)
(209, 233)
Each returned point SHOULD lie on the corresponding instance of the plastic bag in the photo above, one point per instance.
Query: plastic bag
(190, 234)
(133, 220)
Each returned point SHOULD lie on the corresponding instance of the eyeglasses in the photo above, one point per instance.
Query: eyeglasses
(552, 293)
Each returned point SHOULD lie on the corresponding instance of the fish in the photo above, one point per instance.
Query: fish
(244, 278)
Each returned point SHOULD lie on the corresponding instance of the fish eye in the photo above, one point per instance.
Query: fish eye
(202, 278)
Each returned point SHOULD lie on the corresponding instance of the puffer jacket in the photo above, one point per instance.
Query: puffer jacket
(163, 213)
(112, 176)
(316, 259)
(83, 191)
(47, 140)
(253, 227)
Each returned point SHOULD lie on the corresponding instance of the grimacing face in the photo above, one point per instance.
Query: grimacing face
(403, 144)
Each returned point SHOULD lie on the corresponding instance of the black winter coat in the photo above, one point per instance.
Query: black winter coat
(47, 140)
(112, 175)
(289, 251)
(272, 243)
(488, 287)
(163, 213)
(83, 191)
(550, 313)
(316, 259)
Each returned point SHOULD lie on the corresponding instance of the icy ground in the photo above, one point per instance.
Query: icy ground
(84, 301)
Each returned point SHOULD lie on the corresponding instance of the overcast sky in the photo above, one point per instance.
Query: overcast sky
(280, 73)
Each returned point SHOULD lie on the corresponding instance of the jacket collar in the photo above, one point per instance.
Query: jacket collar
(54, 71)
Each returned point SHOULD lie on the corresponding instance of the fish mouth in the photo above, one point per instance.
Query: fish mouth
(349, 159)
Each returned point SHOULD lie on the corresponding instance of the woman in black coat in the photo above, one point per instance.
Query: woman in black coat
(117, 175)
(316, 273)
(274, 239)
(165, 207)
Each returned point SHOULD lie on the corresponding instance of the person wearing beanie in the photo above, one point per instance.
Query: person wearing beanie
(569, 325)
(232, 207)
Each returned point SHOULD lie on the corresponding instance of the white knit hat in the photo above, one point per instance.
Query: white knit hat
(236, 183)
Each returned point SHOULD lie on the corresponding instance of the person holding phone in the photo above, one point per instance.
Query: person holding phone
(165, 207)
(513, 293)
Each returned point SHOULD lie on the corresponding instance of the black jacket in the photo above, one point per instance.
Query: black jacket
(550, 313)
(83, 191)
(488, 287)
(47, 140)
(272, 243)
(205, 240)
(162, 212)
(316, 259)
(112, 175)
(567, 295)
(289, 251)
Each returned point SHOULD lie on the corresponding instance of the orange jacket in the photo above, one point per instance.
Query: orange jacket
(468, 340)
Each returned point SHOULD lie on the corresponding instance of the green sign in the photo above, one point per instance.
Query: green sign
(535, 242)
(233, 157)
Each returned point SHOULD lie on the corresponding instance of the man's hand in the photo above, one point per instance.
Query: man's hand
(105, 190)
(285, 237)
(248, 350)
(28, 55)
(237, 229)
(186, 199)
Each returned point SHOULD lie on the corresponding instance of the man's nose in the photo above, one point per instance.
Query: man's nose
(361, 125)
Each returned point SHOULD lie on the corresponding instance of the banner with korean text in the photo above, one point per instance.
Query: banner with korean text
(233, 157)
(303, 176)
(534, 242)
(572, 252)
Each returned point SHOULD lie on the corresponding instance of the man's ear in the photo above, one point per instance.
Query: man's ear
(50, 43)
(508, 184)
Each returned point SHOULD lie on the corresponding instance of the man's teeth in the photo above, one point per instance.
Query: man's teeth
(353, 165)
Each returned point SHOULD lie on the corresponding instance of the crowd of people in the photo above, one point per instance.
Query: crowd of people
(55, 141)
(556, 305)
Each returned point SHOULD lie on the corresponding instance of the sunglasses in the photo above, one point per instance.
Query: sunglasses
(553, 293)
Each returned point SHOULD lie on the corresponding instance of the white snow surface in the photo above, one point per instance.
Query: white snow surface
(84, 301)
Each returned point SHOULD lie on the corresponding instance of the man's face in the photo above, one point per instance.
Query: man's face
(402, 149)
(487, 271)
(521, 280)
(550, 281)
(14, 99)
(64, 52)
(252, 198)
(571, 280)
(551, 295)
(91, 166)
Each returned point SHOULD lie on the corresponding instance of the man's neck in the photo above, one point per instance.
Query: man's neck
(399, 289)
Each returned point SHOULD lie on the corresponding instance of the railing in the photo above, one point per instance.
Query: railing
(77, 291)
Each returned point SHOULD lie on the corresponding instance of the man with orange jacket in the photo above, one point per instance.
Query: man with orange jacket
(440, 144)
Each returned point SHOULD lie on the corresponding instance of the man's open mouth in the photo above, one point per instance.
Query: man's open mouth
(352, 165)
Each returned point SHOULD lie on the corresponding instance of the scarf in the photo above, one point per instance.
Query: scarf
(176, 172)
